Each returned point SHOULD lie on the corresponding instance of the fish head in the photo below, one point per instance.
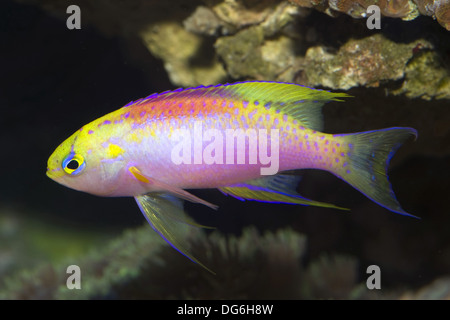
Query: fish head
(87, 163)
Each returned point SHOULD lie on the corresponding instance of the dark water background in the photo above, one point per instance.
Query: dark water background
(53, 81)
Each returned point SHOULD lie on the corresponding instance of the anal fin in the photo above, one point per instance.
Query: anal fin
(277, 189)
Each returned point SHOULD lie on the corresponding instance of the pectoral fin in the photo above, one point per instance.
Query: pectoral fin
(167, 218)
(278, 189)
(168, 188)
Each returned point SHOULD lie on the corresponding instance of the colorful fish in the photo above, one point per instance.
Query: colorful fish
(234, 137)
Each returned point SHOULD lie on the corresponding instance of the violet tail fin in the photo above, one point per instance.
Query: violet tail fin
(368, 160)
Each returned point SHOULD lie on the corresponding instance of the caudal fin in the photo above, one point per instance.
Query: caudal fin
(368, 160)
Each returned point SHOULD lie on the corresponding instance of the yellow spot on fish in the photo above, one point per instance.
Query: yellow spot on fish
(138, 175)
(133, 137)
(114, 151)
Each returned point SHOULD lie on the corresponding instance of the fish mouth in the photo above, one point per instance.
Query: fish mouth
(49, 173)
(54, 174)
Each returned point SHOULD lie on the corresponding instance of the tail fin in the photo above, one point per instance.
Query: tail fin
(368, 161)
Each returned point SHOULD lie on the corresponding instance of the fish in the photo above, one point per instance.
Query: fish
(240, 138)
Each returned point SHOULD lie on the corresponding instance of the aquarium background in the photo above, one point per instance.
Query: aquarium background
(54, 80)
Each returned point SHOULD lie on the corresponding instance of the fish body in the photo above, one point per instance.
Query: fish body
(234, 137)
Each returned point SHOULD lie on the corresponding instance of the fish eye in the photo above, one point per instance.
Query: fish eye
(73, 164)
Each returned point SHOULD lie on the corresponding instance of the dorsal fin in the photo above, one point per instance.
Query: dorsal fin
(302, 103)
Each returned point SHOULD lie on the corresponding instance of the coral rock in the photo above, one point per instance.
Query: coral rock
(204, 21)
(442, 14)
(247, 54)
(180, 49)
(359, 62)
(405, 9)
(425, 78)
(242, 13)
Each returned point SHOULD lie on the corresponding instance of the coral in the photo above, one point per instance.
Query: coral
(188, 64)
(100, 270)
(437, 290)
(405, 9)
(440, 10)
(331, 277)
(248, 54)
(182, 52)
(25, 241)
(364, 62)
(202, 42)
(236, 14)
(425, 78)
(217, 41)
(241, 13)
(139, 264)
(204, 21)
(442, 13)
